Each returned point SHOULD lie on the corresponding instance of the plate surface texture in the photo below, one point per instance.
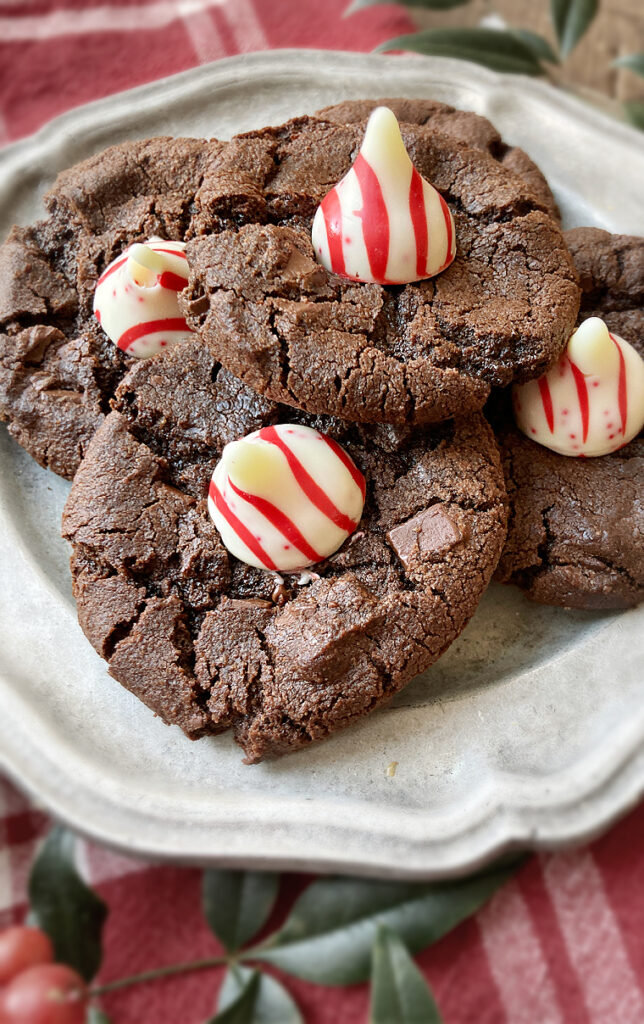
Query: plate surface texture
(529, 731)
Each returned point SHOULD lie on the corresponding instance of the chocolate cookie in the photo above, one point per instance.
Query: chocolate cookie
(210, 643)
(611, 274)
(415, 353)
(576, 529)
(58, 370)
(462, 125)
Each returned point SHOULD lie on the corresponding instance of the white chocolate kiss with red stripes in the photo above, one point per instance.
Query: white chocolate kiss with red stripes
(285, 497)
(589, 403)
(383, 222)
(136, 301)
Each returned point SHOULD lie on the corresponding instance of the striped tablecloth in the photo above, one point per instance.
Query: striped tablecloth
(564, 940)
(562, 943)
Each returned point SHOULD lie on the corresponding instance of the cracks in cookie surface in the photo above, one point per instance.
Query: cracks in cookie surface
(80, 236)
(94, 211)
(574, 524)
(430, 367)
(611, 270)
(153, 534)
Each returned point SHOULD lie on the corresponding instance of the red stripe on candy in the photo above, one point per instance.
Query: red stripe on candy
(280, 521)
(332, 213)
(347, 461)
(448, 226)
(450, 234)
(375, 225)
(582, 395)
(242, 531)
(546, 398)
(622, 395)
(313, 491)
(111, 270)
(119, 263)
(150, 327)
(419, 221)
(174, 282)
(171, 252)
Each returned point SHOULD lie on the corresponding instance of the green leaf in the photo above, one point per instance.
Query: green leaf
(430, 5)
(63, 906)
(538, 44)
(571, 18)
(242, 1009)
(398, 990)
(96, 1016)
(634, 62)
(273, 1004)
(237, 903)
(329, 933)
(492, 47)
(635, 112)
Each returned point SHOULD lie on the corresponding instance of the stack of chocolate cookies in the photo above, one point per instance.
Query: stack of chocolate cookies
(291, 643)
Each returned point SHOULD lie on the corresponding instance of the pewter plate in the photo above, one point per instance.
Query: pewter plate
(529, 731)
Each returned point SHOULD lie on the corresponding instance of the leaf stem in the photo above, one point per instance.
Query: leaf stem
(161, 972)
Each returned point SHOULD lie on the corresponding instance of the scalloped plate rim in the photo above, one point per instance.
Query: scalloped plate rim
(502, 825)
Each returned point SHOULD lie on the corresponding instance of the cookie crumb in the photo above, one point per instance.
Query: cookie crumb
(391, 769)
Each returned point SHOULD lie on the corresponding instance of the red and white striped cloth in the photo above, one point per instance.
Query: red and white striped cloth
(57, 54)
(563, 942)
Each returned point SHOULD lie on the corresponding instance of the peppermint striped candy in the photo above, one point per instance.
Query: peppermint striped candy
(285, 497)
(383, 222)
(136, 300)
(591, 402)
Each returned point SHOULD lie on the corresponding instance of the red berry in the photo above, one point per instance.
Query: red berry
(22, 947)
(46, 994)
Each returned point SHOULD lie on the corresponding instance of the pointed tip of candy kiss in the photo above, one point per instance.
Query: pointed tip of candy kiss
(252, 464)
(384, 223)
(136, 297)
(382, 140)
(285, 497)
(144, 264)
(591, 402)
(591, 347)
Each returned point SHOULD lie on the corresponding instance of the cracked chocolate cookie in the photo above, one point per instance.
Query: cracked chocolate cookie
(611, 274)
(58, 369)
(461, 125)
(576, 529)
(210, 643)
(414, 353)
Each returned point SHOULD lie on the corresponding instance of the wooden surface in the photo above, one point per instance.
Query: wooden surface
(617, 30)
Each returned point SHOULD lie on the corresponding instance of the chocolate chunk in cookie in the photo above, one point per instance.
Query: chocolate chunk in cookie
(211, 643)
